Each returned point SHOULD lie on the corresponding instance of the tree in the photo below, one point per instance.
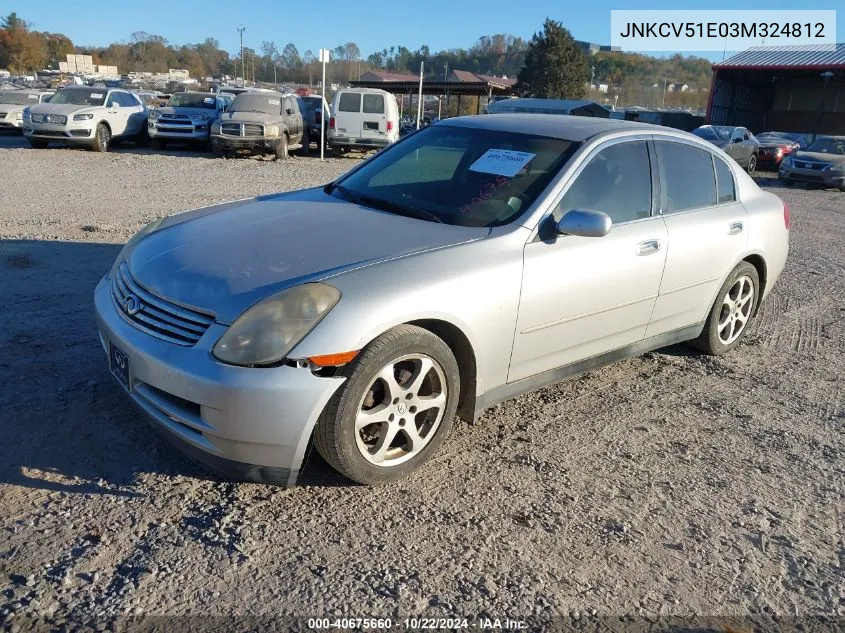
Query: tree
(21, 50)
(555, 67)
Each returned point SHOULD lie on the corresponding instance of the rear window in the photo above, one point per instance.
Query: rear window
(688, 176)
(349, 102)
(374, 104)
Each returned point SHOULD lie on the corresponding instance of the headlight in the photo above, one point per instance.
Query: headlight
(154, 114)
(271, 131)
(199, 117)
(265, 333)
(83, 117)
(127, 248)
(215, 127)
(839, 168)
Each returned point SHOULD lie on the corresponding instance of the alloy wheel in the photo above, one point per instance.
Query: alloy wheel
(401, 410)
(736, 310)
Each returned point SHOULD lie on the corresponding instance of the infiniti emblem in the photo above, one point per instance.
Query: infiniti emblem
(401, 408)
(132, 305)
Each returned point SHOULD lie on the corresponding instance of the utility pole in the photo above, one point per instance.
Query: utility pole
(253, 70)
(592, 77)
(419, 98)
(241, 30)
(664, 91)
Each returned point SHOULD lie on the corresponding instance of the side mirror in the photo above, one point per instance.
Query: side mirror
(584, 223)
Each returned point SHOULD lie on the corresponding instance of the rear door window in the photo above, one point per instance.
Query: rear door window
(724, 181)
(689, 181)
(374, 104)
(349, 102)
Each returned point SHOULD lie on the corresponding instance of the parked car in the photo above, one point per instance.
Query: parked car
(260, 122)
(363, 118)
(315, 106)
(821, 162)
(14, 102)
(187, 117)
(475, 260)
(775, 146)
(737, 142)
(81, 115)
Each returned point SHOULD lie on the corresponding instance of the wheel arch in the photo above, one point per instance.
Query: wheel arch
(464, 353)
(756, 260)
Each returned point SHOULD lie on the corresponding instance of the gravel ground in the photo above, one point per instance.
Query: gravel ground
(668, 485)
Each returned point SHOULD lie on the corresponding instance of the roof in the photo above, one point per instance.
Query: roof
(563, 126)
(381, 75)
(547, 105)
(465, 76)
(810, 57)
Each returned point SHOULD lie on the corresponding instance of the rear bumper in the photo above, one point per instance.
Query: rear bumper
(357, 141)
(247, 423)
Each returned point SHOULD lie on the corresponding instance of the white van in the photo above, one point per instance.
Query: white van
(363, 118)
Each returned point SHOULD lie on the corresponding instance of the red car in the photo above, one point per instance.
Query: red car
(775, 146)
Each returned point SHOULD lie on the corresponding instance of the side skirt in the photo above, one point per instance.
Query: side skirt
(514, 389)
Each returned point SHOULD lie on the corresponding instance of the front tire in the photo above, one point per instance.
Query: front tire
(37, 143)
(102, 138)
(282, 148)
(395, 409)
(159, 144)
(733, 310)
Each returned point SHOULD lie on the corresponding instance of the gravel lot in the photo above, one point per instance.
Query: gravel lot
(668, 485)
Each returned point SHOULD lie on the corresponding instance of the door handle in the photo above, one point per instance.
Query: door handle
(648, 247)
(735, 228)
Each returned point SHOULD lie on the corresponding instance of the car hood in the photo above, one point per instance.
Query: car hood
(775, 144)
(250, 117)
(211, 113)
(819, 157)
(228, 257)
(61, 108)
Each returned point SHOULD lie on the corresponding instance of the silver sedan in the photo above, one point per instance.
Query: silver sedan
(475, 260)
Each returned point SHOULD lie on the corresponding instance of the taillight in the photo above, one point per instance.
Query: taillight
(331, 123)
(787, 220)
(390, 126)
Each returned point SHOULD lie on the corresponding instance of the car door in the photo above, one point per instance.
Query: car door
(374, 120)
(584, 296)
(136, 110)
(117, 116)
(707, 227)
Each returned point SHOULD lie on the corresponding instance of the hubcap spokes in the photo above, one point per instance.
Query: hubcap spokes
(736, 310)
(401, 410)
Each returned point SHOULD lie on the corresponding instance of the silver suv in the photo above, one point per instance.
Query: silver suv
(187, 117)
(14, 102)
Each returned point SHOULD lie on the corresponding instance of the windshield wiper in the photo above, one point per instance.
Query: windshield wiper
(400, 209)
(351, 197)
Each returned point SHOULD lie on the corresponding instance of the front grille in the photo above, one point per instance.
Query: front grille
(57, 133)
(61, 119)
(800, 164)
(175, 117)
(156, 316)
(242, 129)
(253, 129)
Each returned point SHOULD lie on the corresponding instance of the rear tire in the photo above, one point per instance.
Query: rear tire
(282, 148)
(406, 381)
(102, 138)
(752, 164)
(733, 310)
(306, 143)
(38, 144)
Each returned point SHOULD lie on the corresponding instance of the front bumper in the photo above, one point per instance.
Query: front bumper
(200, 132)
(251, 424)
(822, 177)
(70, 132)
(244, 143)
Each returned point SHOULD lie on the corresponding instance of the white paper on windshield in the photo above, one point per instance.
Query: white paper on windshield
(502, 162)
(275, 101)
(97, 95)
(208, 100)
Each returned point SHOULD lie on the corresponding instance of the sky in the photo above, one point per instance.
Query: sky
(372, 24)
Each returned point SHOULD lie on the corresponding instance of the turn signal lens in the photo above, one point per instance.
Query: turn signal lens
(333, 360)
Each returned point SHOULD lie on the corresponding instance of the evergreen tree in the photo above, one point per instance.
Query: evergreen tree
(555, 67)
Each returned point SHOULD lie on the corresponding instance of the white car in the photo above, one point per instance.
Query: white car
(82, 115)
(14, 102)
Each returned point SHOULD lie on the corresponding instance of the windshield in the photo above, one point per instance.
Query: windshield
(192, 100)
(828, 145)
(18, 98)
(266, 103)
(457, 175)
(80, 96)
(710, 133)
